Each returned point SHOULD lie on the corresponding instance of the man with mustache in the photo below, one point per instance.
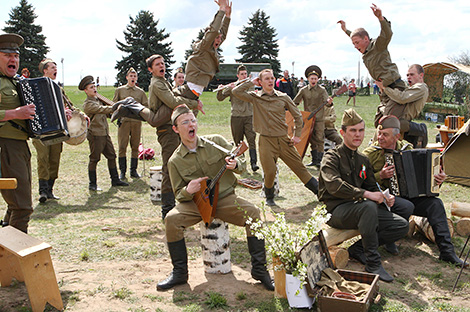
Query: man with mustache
(15, 156)
(129, 128)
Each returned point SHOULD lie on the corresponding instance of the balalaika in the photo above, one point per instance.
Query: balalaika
(414, 172)
(49, 124)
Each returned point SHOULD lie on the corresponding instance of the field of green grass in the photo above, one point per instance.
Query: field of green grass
(109, 247)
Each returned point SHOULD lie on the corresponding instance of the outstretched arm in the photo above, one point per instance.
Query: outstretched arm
(377, 12)
(343, 27)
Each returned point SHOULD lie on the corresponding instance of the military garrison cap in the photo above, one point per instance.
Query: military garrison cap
(351, 118)
(178, 111)
(313, 70)
(131, 70)
(10, 43)
(85, 82)
(43, 64)
(389, 121)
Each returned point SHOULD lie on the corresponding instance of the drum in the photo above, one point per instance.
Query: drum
(77, 126)
(156, 177)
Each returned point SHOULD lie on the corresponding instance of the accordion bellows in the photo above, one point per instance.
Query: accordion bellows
(49, 124)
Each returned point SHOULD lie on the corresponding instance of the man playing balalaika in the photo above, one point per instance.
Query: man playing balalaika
(194, 161)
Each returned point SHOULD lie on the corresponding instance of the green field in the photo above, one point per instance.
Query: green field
(120, 230)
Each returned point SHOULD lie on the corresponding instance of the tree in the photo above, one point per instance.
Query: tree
(259, 43)
(143, 39)
(190, 51)
(459, 82)
(34, 49)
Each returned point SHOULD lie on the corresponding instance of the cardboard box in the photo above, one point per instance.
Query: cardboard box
(315, 254)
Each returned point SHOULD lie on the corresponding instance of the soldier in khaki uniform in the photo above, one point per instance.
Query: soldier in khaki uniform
(377, 60)
(203, 63)
(15, 157)
(430, 207)
(348, 188)
(193, 161)
(269, 120)
(48, 157)
(313, 95)
(161, 100)
(129, 128)
(411, 102)
(330, 129)
(241, 120)
(98, 135)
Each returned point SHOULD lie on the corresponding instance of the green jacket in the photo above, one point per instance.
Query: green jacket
(185, 166)
(98, 113)
(240, 108)
(344, 177)
(312, 97)
(9, 99)
(377, 159)
(203, 64)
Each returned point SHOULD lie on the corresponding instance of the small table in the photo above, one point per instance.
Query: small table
(444, 131)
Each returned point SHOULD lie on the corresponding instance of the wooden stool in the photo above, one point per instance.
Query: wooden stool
(27, 259)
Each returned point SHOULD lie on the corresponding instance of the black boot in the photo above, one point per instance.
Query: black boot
(131, 110)
(92, 185)
(122, 167)
(269, 192)
(444, 243)
(356, 251)
(43, 187)
(258, 262)
(168, 202)
(314, 157)
(312, 185)
(179, 259)
(417, 135)
(253, 160)
(50, 194)
(373, 261)
(318, 159)
(134, 174)
(115, 178)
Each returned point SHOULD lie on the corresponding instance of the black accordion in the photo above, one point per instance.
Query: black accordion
(49, 124)
(414, 172)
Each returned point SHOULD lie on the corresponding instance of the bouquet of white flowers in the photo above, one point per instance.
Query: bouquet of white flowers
(285, 242)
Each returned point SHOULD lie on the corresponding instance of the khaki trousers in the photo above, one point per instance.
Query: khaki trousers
(231, 209)
(15, 161)
(129, 131)
(242, 126)
(101, 145)
(272, 148)
(317, 140)
(48, 158)
(169, 140)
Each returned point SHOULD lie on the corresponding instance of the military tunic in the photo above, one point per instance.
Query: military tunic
(314, 97)
(161, 94)
(241, 120)
(130, 128)
(269, 120)
(98, 133)
(15, 159)
(345, 175)
(206, 160)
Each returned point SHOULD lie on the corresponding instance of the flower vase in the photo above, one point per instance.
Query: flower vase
(300, 300)
(279, 280)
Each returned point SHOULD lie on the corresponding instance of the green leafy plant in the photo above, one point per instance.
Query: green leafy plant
(215, 300)
(285, 243)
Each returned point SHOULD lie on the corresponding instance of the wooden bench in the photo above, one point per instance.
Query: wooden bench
(333, 238)
(27, 259)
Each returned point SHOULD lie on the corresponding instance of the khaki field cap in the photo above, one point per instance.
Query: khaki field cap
(131, 70)
(43, 64)
(179, 110)
(313, 70)
(389, 121)
(85, 82)
(10, 43)
(351, 118)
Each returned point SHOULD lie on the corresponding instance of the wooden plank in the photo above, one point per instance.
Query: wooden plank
(20, 243)
(337, 236)
(8, 183)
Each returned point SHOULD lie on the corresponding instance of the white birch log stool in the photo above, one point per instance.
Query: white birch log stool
(27, 259)
(215, 243)
(156, 177)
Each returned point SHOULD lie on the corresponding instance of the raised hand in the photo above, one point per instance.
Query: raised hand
(377, 12)
(343, 25)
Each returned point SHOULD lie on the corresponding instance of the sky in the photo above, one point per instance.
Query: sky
(83, 33)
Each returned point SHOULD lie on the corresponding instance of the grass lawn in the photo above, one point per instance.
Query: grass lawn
(109, 247)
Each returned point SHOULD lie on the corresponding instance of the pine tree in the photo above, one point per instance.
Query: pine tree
(259, 43)
(34, 48)
(142, 39)
(190, 51)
